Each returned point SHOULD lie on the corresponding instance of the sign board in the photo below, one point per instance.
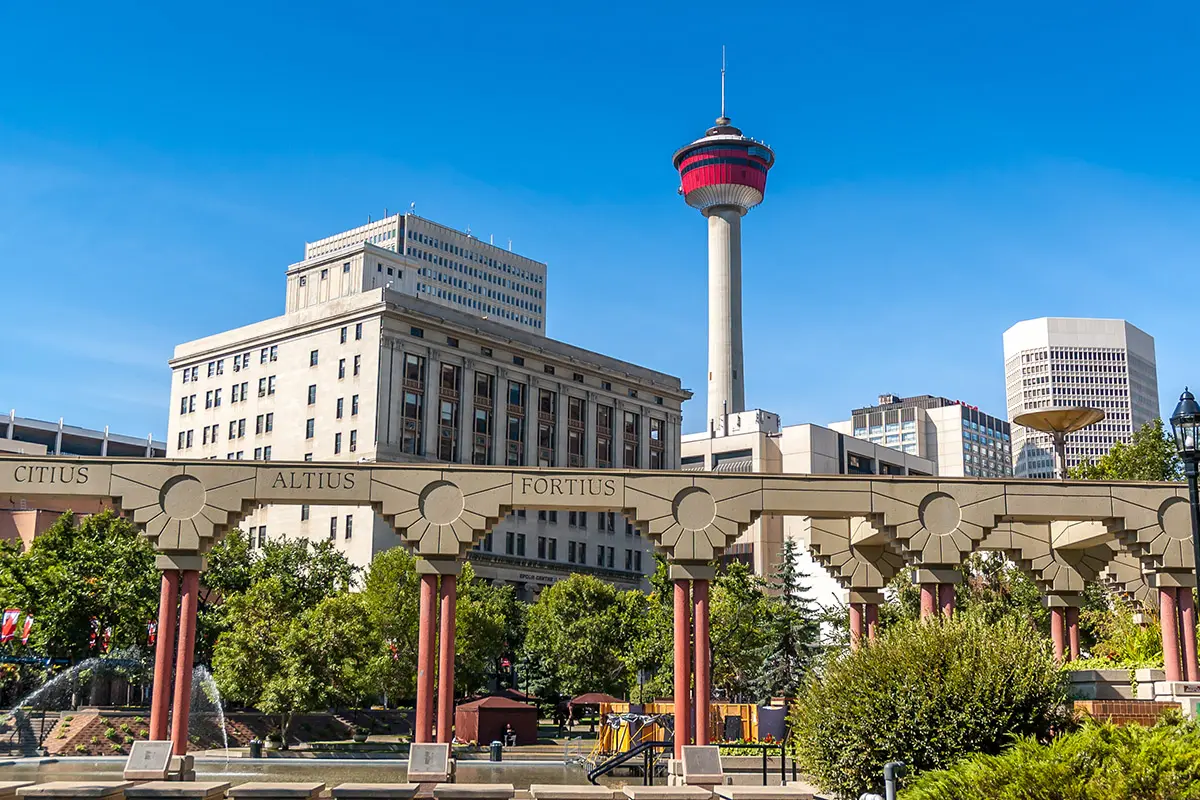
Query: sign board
(149, 759)
(701, 760)
(429, 759)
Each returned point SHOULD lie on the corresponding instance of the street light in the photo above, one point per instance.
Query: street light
(1185, 425)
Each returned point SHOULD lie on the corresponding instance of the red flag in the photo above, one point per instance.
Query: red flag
(8, 626)
(152, 632)
(505, 663)
(95, 634)
(26, 629)
(104, 642)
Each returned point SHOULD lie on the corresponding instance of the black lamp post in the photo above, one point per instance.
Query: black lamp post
(1185, 425)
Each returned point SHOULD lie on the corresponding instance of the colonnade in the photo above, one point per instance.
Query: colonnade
(865, 529)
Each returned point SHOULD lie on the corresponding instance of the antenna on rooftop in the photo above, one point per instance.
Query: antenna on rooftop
(722, 80)
(510, 245)
(412, 207)
(491, 238)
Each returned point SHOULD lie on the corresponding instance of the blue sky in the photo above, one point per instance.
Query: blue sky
(943, 171)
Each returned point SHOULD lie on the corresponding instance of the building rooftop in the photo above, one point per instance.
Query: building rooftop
(58, 438)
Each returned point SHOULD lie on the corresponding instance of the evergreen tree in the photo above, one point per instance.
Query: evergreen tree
(794, 629)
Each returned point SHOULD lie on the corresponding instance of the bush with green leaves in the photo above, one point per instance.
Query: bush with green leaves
(1099, 762)
(927, 694)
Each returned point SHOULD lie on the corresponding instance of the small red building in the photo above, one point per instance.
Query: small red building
(484, 721)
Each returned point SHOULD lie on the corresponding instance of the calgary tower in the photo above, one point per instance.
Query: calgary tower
(724, 174)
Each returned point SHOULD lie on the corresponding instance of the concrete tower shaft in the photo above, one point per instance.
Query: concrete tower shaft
(726, 383)
(724, 175)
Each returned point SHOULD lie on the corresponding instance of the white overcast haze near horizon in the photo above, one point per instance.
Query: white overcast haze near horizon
(850, 288)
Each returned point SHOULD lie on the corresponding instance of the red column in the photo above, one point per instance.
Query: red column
(683, 665)
(929, 594)
(164, 655)
(1056, 632)
(184, 657)
(946, 599)
(1170, 631)
(703, 685)
(1187, 616)
(1073, 632)
(856, 625)
(872, 614)
(445, 724)
(426, 642)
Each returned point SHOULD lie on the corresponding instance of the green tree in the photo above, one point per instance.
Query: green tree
(489, 623)
(78, 570)
(649, 653)
(794, 630)
(576, 635)
(740, 622)
(391, 591)
(308, 573)
(926, 694)
(285, 659)
(1149, 456)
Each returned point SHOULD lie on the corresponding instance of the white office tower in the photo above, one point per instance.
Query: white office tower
(1100, 363)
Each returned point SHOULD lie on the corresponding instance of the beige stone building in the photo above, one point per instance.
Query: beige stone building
(365, 371)
(959, 438)
(756, 442)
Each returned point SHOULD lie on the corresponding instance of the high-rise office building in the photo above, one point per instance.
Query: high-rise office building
(359, 370)
(414, 256)
(1101, 363)
(959, 438)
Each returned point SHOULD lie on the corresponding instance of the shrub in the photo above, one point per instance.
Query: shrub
(139, 720)
(110, 732)
(80, 748)
(926, 694)
(125, 727)
(116, 748)
(1100, 762)
(95, 740)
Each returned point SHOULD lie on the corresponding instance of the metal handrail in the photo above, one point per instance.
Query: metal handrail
(641, 749)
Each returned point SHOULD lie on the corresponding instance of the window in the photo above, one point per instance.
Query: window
(183, 405)
(312, 394)
(358, 331)
(637, 560)
(262, 387)
(628, 560)
(258, 423)
(520, 362)
(606, 386)
(271, 385)
(258, 454)
(186, 374)
(520, 544)
(549, 370)
(304, 512)
(308, 456)
(340, 402)
(343, 334)
(553, 517)
(357, 364)
(349, 526)
(309, 428)
(262, 530)
(208, 399)
(450, 340)
(313, 357)
(541, 551)
(571, 552)
(341, 368)
(417, 332)
(483, 351)
(354, 406)
(333, 527)
(216, 398)
(274, 352)
(552, 553)
(262, 357)
(346, 267)
(324, 274)
(583, 552)
(509, 540)
(600, 556)
(337, 443)
(353, 441)
(270, 422)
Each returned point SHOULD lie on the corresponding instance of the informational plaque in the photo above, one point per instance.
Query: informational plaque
(148, 761)
(428, 762)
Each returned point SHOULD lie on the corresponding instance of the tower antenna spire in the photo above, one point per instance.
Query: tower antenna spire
(723, 81)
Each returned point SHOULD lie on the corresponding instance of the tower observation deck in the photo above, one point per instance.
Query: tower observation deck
(724, 174)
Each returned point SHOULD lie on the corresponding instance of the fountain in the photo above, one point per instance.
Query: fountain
(207, 714)
(61, 693)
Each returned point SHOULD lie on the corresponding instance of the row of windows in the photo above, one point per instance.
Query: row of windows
(577, 552)
(717, 160)
(325, 274)
(482, 291)
(478, 305)
(240, 362)
(471, 255)
(471, 272)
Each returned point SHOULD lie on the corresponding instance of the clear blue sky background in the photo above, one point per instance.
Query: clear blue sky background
(944, 170)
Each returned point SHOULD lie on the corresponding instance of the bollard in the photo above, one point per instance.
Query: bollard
(497, 752)
(891, 772)
(256, 746)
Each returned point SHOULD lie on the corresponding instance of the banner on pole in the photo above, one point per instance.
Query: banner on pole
(25, 630)
(8, 625)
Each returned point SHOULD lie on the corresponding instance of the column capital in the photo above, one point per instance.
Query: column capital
(692, 571)
(438, 566)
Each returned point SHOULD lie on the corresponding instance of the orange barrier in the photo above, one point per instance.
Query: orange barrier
(626, 734)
